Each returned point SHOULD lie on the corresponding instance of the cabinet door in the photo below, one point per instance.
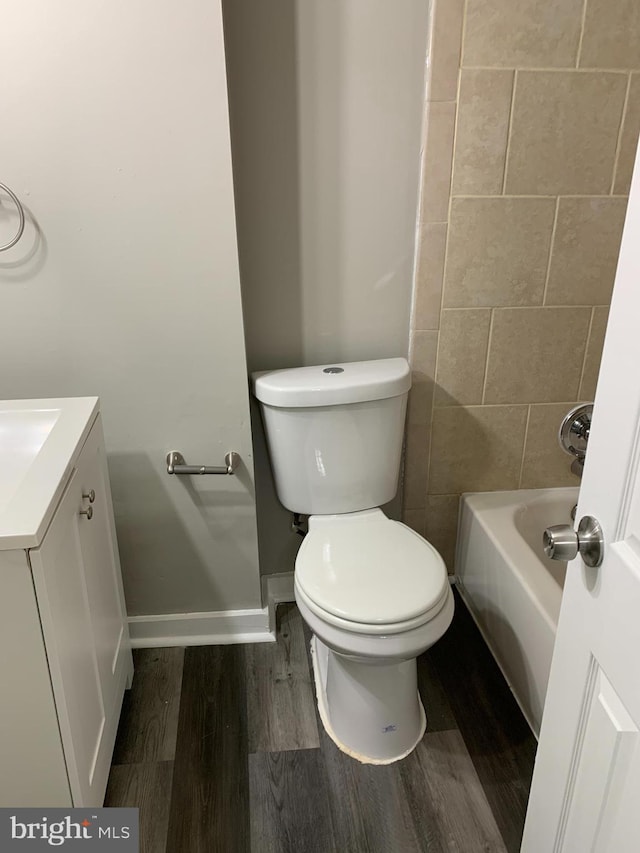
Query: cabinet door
(102, 571)
(77, 578)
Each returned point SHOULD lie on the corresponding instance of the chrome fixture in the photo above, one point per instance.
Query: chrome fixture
(89, 496)
(88, 512)
(562, 542)
(573, 434)
(20, 209)
(176, 464)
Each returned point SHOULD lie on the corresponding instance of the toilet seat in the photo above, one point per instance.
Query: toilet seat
(365, 573)
(379, 629)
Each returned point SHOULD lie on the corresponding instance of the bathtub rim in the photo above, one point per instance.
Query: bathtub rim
(506, 505)
(513, 539)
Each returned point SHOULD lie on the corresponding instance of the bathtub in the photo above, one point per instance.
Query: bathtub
(511, 588)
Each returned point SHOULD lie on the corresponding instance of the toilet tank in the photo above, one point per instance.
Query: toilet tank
(334, 433)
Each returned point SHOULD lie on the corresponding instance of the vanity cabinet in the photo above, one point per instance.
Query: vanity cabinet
(66, 657)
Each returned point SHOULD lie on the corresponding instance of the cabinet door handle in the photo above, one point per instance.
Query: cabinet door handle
(88, 512)
(90, 496)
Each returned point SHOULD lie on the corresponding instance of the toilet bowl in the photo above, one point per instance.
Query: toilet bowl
(374, 593)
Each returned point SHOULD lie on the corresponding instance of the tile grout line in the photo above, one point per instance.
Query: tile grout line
(484, 197)
(429, 72)
(430, 433)
(584, 356)
(417, 254)
(560, 306)
(429, 424)
(449, 495)
(535, 69)
(451, 197)
(486, 361)
(551, 248)
(582, 26)
(507, 150)
(524, 445)
(623, 118)
(463, 33)
(444, 268)
(519, 405)
(454, 144)
(457, 102)
(412, 337)
(517, 308)
(461, 66)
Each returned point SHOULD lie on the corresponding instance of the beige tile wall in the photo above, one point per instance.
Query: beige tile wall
(531, 124)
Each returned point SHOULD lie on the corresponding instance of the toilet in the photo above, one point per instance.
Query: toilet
(374, 593)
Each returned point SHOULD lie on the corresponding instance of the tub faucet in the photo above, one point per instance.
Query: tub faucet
(573, 435)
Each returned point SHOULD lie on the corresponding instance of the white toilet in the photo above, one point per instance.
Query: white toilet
(374, 592)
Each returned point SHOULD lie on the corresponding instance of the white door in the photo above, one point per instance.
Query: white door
(586, 782)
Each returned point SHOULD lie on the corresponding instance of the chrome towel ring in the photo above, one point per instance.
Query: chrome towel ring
(20, 209)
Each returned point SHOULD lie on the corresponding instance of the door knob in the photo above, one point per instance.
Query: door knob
(562, 542)
(89, 496)
(88, 512)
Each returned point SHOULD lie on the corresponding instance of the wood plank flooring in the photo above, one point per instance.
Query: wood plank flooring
(222, 749)
(210, 796)
(151, 710)
(147, 786)
(290, 802)
(281, 701)
(495, 733)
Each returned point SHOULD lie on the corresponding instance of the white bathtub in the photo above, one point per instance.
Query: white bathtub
(511, 588)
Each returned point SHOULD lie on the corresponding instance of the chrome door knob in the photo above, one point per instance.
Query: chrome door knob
(562, 542)
(89, 496)
(88, 512)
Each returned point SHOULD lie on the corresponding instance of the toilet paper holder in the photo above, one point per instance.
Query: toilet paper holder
(176, 464)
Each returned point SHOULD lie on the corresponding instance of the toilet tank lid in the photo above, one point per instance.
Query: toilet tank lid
(333, 384)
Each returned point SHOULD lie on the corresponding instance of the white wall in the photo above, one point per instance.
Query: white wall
(115, 135)
(326, 103)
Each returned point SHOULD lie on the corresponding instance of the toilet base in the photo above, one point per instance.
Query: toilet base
(371, 710)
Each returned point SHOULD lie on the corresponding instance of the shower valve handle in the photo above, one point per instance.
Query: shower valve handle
(562, 542)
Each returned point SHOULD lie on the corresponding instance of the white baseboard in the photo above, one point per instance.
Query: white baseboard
(277, 589)
(201, 629)
(216, 627)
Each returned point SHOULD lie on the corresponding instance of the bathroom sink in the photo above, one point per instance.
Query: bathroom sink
(22, 434)
(39, 440)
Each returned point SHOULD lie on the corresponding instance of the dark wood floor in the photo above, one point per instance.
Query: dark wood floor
(222, 750)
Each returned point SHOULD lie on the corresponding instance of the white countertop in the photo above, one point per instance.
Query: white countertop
(39, 443)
